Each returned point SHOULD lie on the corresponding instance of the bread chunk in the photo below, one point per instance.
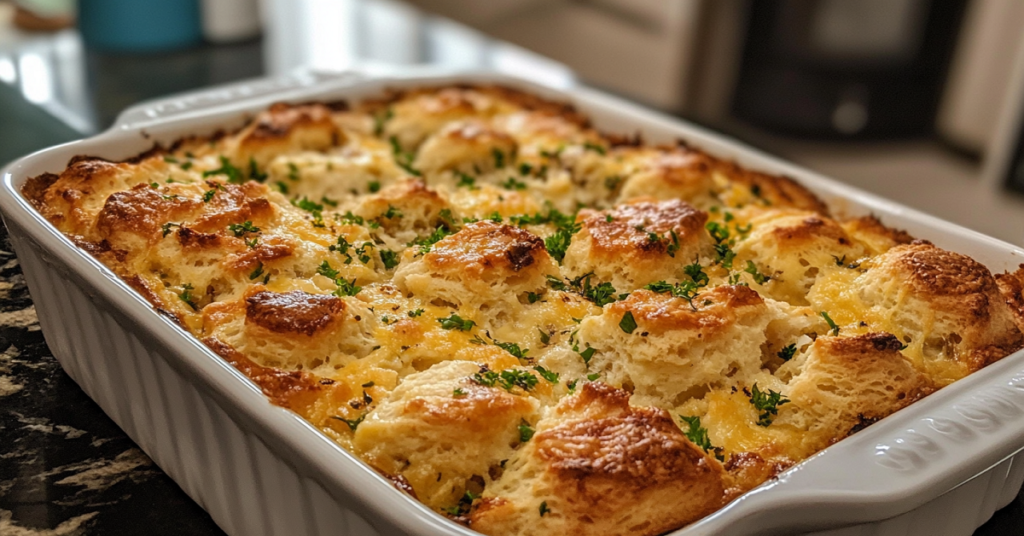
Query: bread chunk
(439, 439)
(793, 248)
(678, 349)
(598, 466)
(638, 243)
(485, 266)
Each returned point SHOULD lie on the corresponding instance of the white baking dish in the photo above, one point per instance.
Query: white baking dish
(940, 466)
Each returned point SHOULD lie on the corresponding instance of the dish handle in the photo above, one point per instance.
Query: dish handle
(916, 457)
(234, 95)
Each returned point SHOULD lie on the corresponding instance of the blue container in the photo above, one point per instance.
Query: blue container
(140, 25)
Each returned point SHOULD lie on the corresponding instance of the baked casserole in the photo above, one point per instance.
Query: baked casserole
(530, 326)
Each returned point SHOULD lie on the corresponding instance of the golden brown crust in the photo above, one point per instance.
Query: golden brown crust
(281, 119)
(628, 233)
(848, 380)
(142, 211)
(938, 272)
(808, 229)
(294, 390)
(748, 470)
(870, 228)
(448, 99)
(711, 310)
(35, 189)
(293, 312)
(485, 246)
(1011, 286)
(613, 469)
(777, 190)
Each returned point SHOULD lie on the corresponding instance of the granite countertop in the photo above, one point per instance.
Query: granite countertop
(65, 468)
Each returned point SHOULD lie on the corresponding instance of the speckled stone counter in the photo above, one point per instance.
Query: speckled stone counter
(66, 468)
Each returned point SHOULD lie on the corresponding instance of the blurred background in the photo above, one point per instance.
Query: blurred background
(920, 101)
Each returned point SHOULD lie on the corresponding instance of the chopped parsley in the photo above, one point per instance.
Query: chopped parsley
(187, 297)
(458, 392)
(831, 324)
(327, 201)
(351, 219)
(380, 119)
(208, 195)
(425, 243)
(251, 243)
(724, 254)
(696, 433)
(547, 374)
(545, 337)
(416, 313)
(544, 508)
(525, 168)
(767, 403)
(507, 379)
(589, 146)
(241, 229)
(719, 232)
(257, 272)
(465, 181)
(374, 187)
(307, 205)
(389, 258)
(352, 423)
(696, 273)
(345, 288)
(360, 251)
(586, 354)
(593, 377)
(532, 297)
(402, 158)
(613, 182)
(513, 184)
(325, 270)
(759, 277)
(601, 294)
(392, 213)
(455, 321)
(233, 174)
(254, 171)
(525, 431)
(628, 323)
(557, 243)
(499, 158)
(314, 208)
(281, 187)
(687, 290)
(787, 352)
(513, 348)
(166, 228)
(293, 172)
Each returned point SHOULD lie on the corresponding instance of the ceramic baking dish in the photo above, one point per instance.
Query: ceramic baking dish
(940, 466)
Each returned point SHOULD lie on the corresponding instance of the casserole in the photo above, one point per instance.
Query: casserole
(139, 367)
